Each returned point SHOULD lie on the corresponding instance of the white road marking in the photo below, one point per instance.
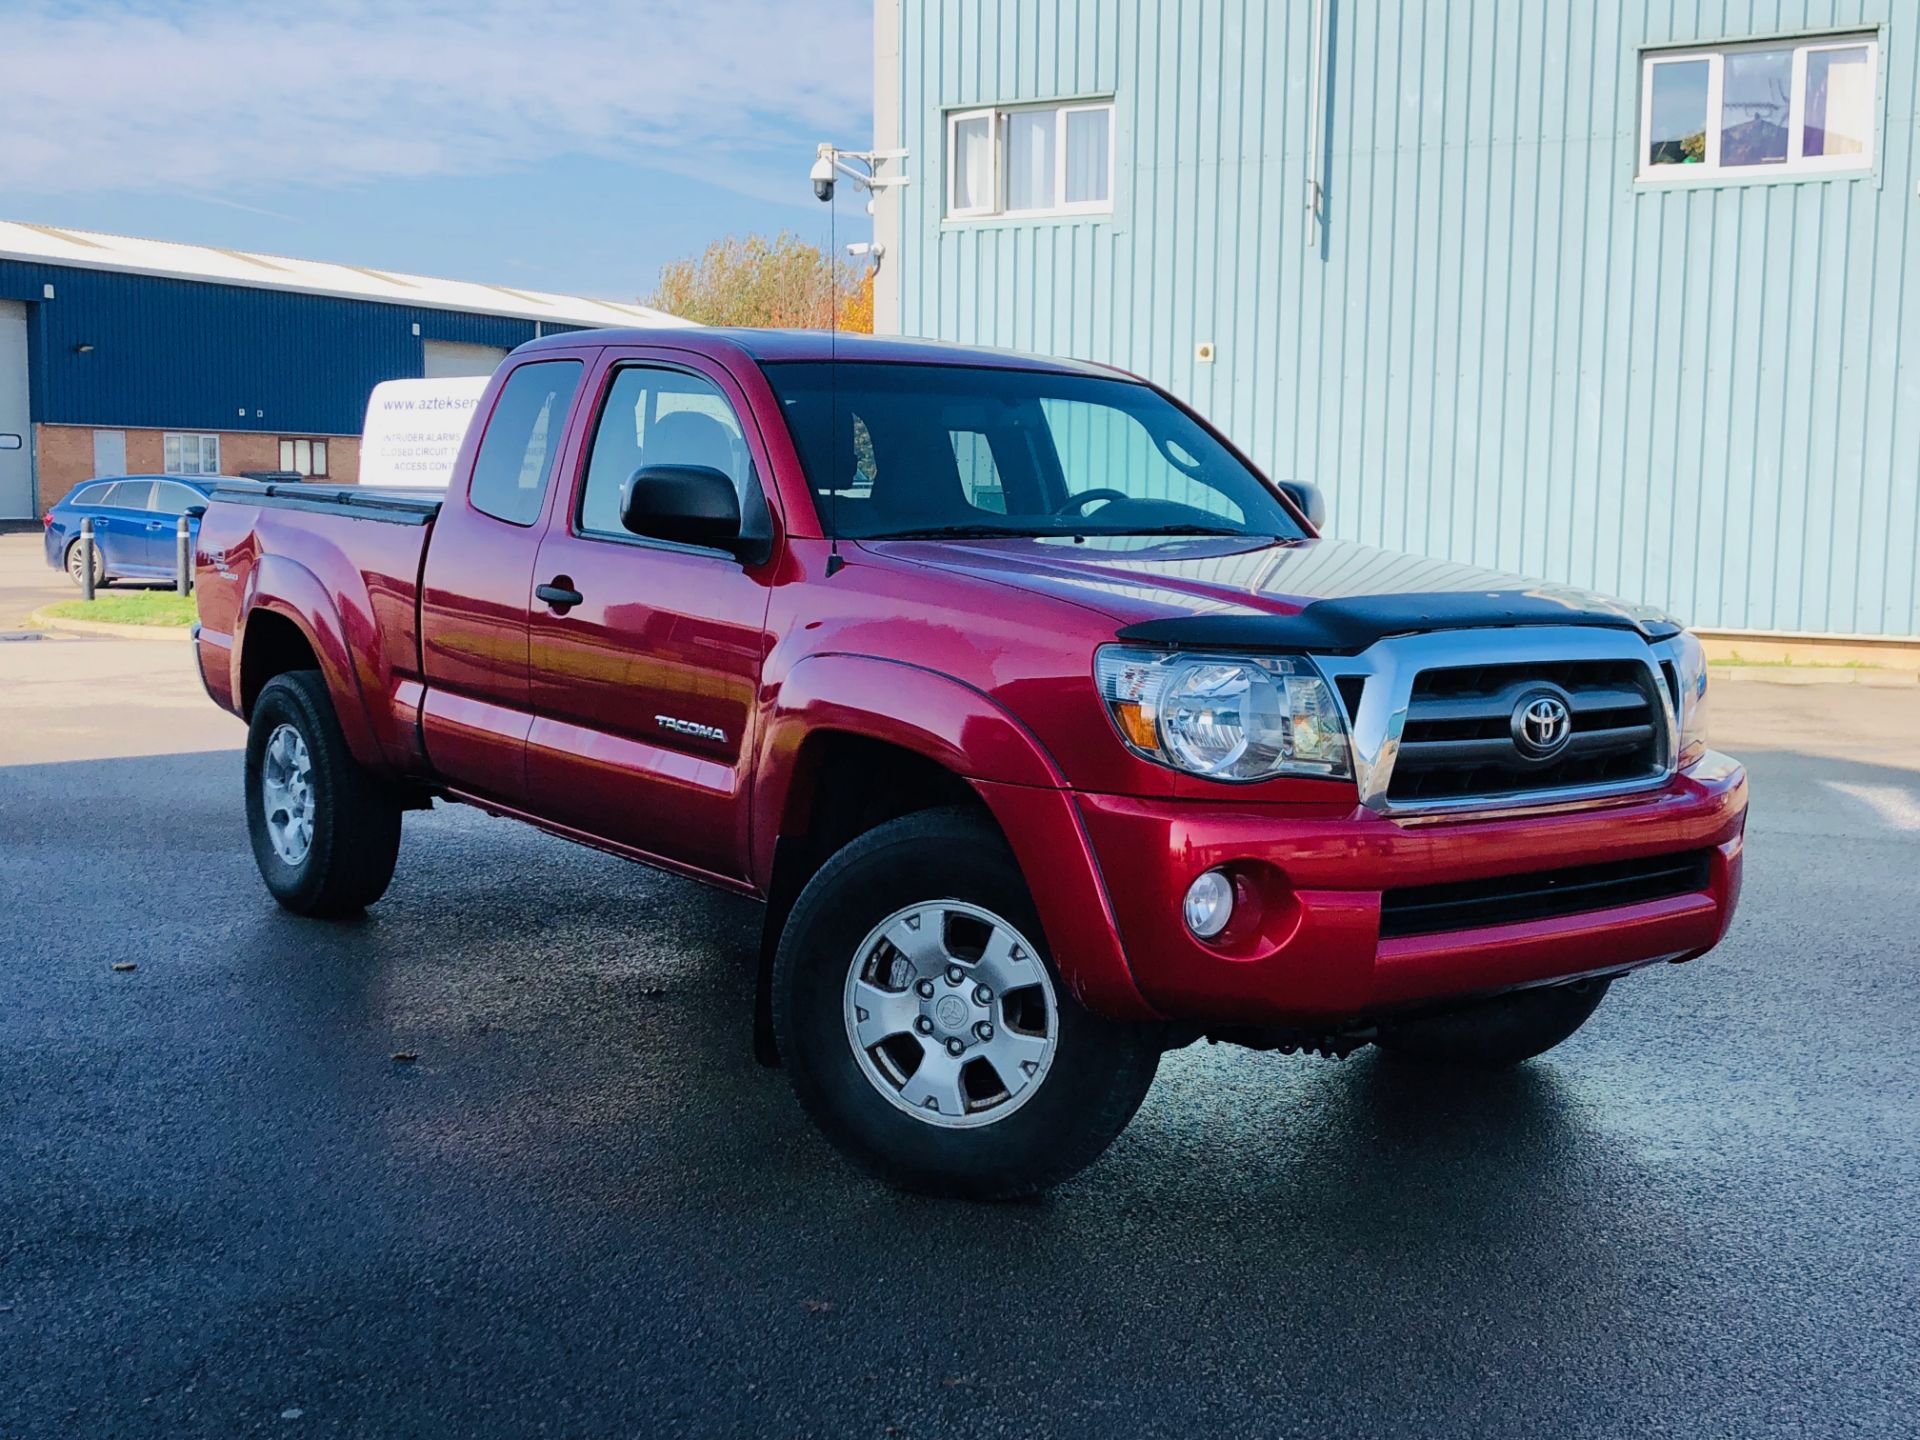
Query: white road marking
(1897, 807)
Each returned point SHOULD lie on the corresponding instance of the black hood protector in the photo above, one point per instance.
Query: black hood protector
(1349, 624)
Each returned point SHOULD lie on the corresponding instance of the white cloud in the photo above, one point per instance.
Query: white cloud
(231, 95)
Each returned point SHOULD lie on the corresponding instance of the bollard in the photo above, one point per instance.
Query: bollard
(86, 558)
(183, 556)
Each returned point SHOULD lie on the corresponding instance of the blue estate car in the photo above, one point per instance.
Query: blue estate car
(133, 524)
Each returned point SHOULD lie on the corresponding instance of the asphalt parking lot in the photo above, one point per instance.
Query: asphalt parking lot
(584, 1211)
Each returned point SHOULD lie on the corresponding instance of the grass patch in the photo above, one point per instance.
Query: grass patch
(130, 607)
(1737, 661)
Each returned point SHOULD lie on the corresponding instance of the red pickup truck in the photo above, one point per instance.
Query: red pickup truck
(1050, 732)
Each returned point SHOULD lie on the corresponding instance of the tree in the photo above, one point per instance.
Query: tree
(856, 310)
(783, 283)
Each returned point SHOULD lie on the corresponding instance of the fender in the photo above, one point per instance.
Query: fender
(968, 733)
(343, 642)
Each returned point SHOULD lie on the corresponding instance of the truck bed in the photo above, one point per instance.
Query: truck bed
(341, 562)
(393, 505)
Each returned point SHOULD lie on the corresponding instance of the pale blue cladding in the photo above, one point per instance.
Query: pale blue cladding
(1501, 349)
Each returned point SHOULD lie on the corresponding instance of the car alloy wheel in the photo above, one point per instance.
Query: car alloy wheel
(951, 1014)
(286, 794)
(77, 565)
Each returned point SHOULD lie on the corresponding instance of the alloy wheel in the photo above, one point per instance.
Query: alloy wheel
(951, 1013)
(286, 794)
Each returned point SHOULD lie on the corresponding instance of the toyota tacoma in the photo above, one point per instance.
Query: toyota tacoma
(1051, 733)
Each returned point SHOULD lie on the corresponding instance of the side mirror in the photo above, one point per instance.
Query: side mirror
(196, 511)
(687, 504)
(1311, 500)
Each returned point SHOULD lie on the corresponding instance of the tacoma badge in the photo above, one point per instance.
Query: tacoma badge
(688, 727)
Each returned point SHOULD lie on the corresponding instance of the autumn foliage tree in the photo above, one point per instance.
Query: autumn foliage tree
(783, 284)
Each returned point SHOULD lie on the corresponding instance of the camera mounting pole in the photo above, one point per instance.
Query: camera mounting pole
(862, 167)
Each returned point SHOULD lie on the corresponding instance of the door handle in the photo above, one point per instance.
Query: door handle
(559, 594)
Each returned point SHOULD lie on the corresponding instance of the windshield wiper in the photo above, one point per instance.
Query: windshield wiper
(951, 532)
(1075, 532)
(1167, 530)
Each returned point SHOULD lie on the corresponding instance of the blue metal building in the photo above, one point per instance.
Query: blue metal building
(119, 354)
(1621, 295)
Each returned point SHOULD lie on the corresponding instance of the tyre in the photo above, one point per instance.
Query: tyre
(1494, 1034)
(325, 833)
(926, 1029)
(77, 569)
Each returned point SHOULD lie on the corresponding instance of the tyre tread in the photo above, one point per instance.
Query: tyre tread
(357, 846)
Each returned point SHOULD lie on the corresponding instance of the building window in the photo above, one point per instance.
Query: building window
(192, 454)
(1758, 111)
(304, 457)
(1030, 160)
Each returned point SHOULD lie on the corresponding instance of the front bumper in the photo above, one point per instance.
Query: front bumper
(1305, 946)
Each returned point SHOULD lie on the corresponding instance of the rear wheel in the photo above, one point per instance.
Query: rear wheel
(77, 566)
(1494, 1034)
(325, 833)
(926, 1029)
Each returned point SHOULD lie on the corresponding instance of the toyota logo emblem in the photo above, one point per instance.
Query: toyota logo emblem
(1542, 725)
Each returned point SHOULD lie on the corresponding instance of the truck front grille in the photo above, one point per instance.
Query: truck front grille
(1543, 895)
(1462, 739)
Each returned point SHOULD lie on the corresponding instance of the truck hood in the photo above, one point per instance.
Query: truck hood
(1329, 595)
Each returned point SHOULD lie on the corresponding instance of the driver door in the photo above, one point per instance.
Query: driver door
(643, 691)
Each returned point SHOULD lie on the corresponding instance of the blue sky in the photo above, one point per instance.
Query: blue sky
(551, 144)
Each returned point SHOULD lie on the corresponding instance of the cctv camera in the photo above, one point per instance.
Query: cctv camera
(823, 179)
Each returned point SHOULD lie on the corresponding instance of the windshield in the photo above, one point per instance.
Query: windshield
(908, 451)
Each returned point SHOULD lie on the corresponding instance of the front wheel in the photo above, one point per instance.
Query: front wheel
(926, 1029)
(1497, 1033)
(325, 833)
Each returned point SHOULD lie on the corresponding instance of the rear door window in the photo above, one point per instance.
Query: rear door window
(128, 495)
(522, 442)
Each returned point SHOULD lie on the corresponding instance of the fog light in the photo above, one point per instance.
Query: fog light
(1209, 904)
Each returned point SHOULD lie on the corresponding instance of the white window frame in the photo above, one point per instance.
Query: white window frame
(996, 118)
(955, 209)
(1082, 207)
(1796, 164)
(317, 455)
(202, 445)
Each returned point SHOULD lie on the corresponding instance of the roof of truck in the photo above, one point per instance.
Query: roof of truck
(778, 345)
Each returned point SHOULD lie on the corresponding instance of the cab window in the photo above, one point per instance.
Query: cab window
(522, 442)
(661, 417)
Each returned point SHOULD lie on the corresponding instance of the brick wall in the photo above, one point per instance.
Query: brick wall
(63, 456)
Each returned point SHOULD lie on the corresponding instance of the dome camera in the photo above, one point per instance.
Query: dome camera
(823, 179)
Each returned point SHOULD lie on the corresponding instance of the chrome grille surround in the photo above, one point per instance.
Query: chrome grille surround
(1389, 669)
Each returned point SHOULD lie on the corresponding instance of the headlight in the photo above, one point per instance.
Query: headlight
(1689, 661)
(1226, 717)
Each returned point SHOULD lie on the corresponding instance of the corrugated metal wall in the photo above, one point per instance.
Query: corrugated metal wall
(189, 354)
(1502, 351)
